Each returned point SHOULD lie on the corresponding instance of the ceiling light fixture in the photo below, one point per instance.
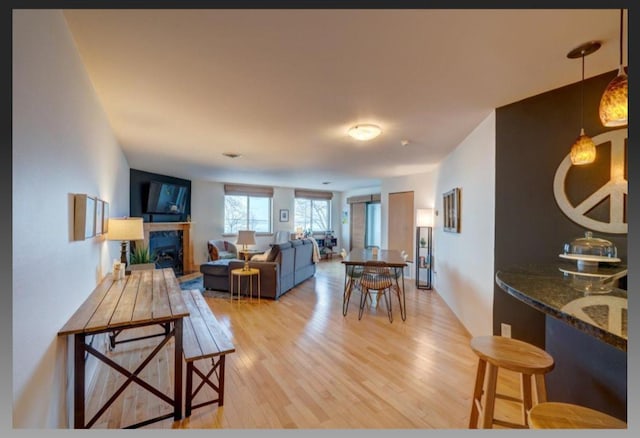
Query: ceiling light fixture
(614, 101)
(365, 132)
(583, 150)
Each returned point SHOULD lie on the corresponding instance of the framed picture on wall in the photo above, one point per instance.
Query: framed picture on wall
(84, 215)
(105, 217)
(451, 209)
(90, 218)
(284, 215)
(99, 212)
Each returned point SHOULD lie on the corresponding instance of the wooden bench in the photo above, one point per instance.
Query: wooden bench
(203, 338)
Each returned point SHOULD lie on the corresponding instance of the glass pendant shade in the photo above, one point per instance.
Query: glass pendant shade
(614, 101)
(583, 150)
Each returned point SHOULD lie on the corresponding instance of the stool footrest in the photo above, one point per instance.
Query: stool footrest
(505, 423)
(509, 398)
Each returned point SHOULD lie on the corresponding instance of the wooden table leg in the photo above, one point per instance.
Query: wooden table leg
(177, 376)
(78, 384)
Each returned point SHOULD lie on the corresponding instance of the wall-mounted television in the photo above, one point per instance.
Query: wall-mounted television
(166, 198)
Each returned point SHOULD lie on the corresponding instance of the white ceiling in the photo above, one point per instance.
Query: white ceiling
(281, 87)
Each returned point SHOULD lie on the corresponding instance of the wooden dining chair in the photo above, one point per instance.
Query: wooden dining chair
(376, 276)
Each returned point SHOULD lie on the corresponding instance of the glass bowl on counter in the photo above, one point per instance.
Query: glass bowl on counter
(589, 251)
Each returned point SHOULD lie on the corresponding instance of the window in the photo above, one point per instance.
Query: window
(314, 214)
(243, 212)
(312, 210)
(247, 208)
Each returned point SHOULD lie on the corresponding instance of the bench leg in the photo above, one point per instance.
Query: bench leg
(217, 370)
(188, 389)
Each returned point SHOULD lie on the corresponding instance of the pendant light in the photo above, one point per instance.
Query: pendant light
(614, 102)
(583, 150)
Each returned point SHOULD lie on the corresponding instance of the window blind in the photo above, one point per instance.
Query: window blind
(248, 190)
(313, 194)
(363, 198)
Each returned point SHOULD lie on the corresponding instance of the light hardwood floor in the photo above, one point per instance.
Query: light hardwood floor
(300, 364)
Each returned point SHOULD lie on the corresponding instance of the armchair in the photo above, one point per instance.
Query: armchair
(221, 249)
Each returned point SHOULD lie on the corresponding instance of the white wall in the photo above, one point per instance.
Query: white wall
(464, 262)
(62, 144)
(207, 215)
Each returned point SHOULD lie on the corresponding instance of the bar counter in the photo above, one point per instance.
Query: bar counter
(557, 291)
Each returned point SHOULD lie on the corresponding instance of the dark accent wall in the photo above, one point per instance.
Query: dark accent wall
(139, 191)
(533, 136)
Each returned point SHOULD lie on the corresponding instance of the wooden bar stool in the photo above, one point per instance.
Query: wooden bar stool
(554, 415)
(514, 355)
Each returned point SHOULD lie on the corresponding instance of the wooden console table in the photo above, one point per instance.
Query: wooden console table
(144, 298)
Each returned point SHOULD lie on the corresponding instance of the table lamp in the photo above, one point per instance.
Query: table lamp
(125, 229)
(246, 237)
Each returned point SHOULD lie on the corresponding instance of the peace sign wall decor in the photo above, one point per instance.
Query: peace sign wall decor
(614, 191)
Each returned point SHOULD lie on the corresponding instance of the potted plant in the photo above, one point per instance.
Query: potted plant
(423, 242)
(140, 256)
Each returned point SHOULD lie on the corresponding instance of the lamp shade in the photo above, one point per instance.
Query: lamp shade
(614, 102)
(424, 217)
(128, 228)
(246, 237)
(614, 109)
(583, 150)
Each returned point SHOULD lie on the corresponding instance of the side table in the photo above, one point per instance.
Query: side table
(249, 273)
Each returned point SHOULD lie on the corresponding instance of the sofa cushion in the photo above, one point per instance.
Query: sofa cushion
(275, 250)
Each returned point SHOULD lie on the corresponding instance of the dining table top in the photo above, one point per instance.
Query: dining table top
(359, 256)
(144, 297)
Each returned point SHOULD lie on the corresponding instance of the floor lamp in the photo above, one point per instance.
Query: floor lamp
(125, 230)
(424, 230)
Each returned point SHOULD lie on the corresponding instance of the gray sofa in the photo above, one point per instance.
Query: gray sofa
(288, 264)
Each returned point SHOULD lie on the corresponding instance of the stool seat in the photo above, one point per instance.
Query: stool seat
(512, 354)
(498, 352)
(555, 415)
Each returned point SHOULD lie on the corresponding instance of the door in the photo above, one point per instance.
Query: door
(400, 230)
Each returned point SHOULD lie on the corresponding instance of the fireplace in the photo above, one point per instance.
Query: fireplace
(165, 248)
(170, 245)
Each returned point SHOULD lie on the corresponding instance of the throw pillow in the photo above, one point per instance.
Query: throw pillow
(273, 253)
(261, 257)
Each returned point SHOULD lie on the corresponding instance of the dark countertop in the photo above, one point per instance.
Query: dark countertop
(555, 290)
